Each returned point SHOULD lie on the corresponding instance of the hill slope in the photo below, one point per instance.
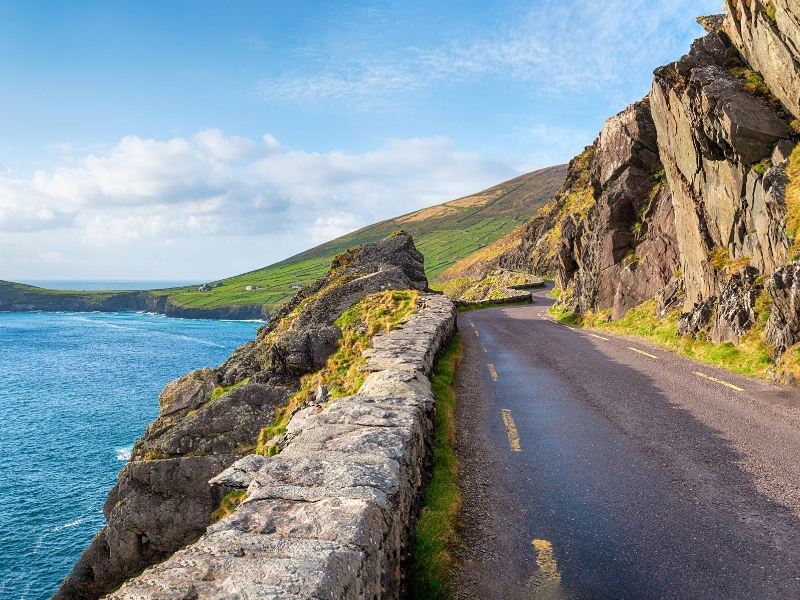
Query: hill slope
(444, 234)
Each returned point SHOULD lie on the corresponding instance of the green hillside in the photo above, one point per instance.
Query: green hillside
(444, 234)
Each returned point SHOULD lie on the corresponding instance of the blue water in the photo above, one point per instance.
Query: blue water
(76, 391)
(74, 284)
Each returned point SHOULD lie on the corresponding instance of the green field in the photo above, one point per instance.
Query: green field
(444, 234)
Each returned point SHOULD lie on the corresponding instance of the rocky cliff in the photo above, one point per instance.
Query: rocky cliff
(687, 196)
(209, 419)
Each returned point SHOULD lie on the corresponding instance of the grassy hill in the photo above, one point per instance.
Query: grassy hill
(444, 234)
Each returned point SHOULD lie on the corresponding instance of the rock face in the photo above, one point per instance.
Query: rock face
(162, 499)
(770, 45)
(332, 515)
(711, 134)
(783, 326)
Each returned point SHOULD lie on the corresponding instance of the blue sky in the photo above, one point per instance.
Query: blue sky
(195, 140)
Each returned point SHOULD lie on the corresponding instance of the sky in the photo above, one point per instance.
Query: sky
(193, 140)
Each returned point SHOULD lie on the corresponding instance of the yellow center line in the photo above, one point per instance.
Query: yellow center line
(471, 323)
(641, 352)
(477, 334)
(492, 372)
(511, 430)
(719, 381)
(548, 578)
(599, 337)
(484, 349)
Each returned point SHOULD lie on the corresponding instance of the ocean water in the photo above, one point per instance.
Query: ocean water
(74, 284)
(77, 390)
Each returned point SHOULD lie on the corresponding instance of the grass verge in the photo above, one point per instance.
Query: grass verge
(752, 357)
(433, 560)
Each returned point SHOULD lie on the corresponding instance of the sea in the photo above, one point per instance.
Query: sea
(77, 390)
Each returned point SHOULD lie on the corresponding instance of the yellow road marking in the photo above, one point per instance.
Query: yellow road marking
(492, 372)
(471, 323)
(599, 337)
(548, 579)
(484, 349)
(511, 430)
(715, 380)
(477, 334)
(641, 352)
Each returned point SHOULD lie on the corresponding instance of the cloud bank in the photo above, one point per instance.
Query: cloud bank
(218, 187)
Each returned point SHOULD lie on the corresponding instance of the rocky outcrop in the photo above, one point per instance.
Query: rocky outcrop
(712, 135)
(209, 419)
(332, 515)
(736, 306)
(696, 320)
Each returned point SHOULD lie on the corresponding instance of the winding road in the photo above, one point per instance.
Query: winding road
(597, 466)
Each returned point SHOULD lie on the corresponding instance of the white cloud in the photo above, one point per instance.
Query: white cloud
(216, 187)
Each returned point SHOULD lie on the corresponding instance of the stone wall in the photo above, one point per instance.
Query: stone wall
(332, 515)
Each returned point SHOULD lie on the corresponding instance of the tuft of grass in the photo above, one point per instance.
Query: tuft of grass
(380, 312)
(222, 390)
(794, 127)
(721, 260)
(154, 455)
(228, 505)
(436, 538)
(763, 166)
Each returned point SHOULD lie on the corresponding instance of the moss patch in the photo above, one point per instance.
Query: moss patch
(228, 505)
(436, 538)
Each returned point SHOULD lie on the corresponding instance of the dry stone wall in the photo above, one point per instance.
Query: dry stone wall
(332, 515)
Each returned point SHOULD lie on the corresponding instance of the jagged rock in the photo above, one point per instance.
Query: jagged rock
(693, 322)
(736, 306)
(783, 325)
(670, 296)
(162, 499)
(711, 23)
(189, 391)
(391, 264)
(710, 133)
(770, 47)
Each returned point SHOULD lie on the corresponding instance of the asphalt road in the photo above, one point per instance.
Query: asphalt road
(601, 467)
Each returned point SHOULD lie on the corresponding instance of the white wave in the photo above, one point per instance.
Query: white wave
(124, 453)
